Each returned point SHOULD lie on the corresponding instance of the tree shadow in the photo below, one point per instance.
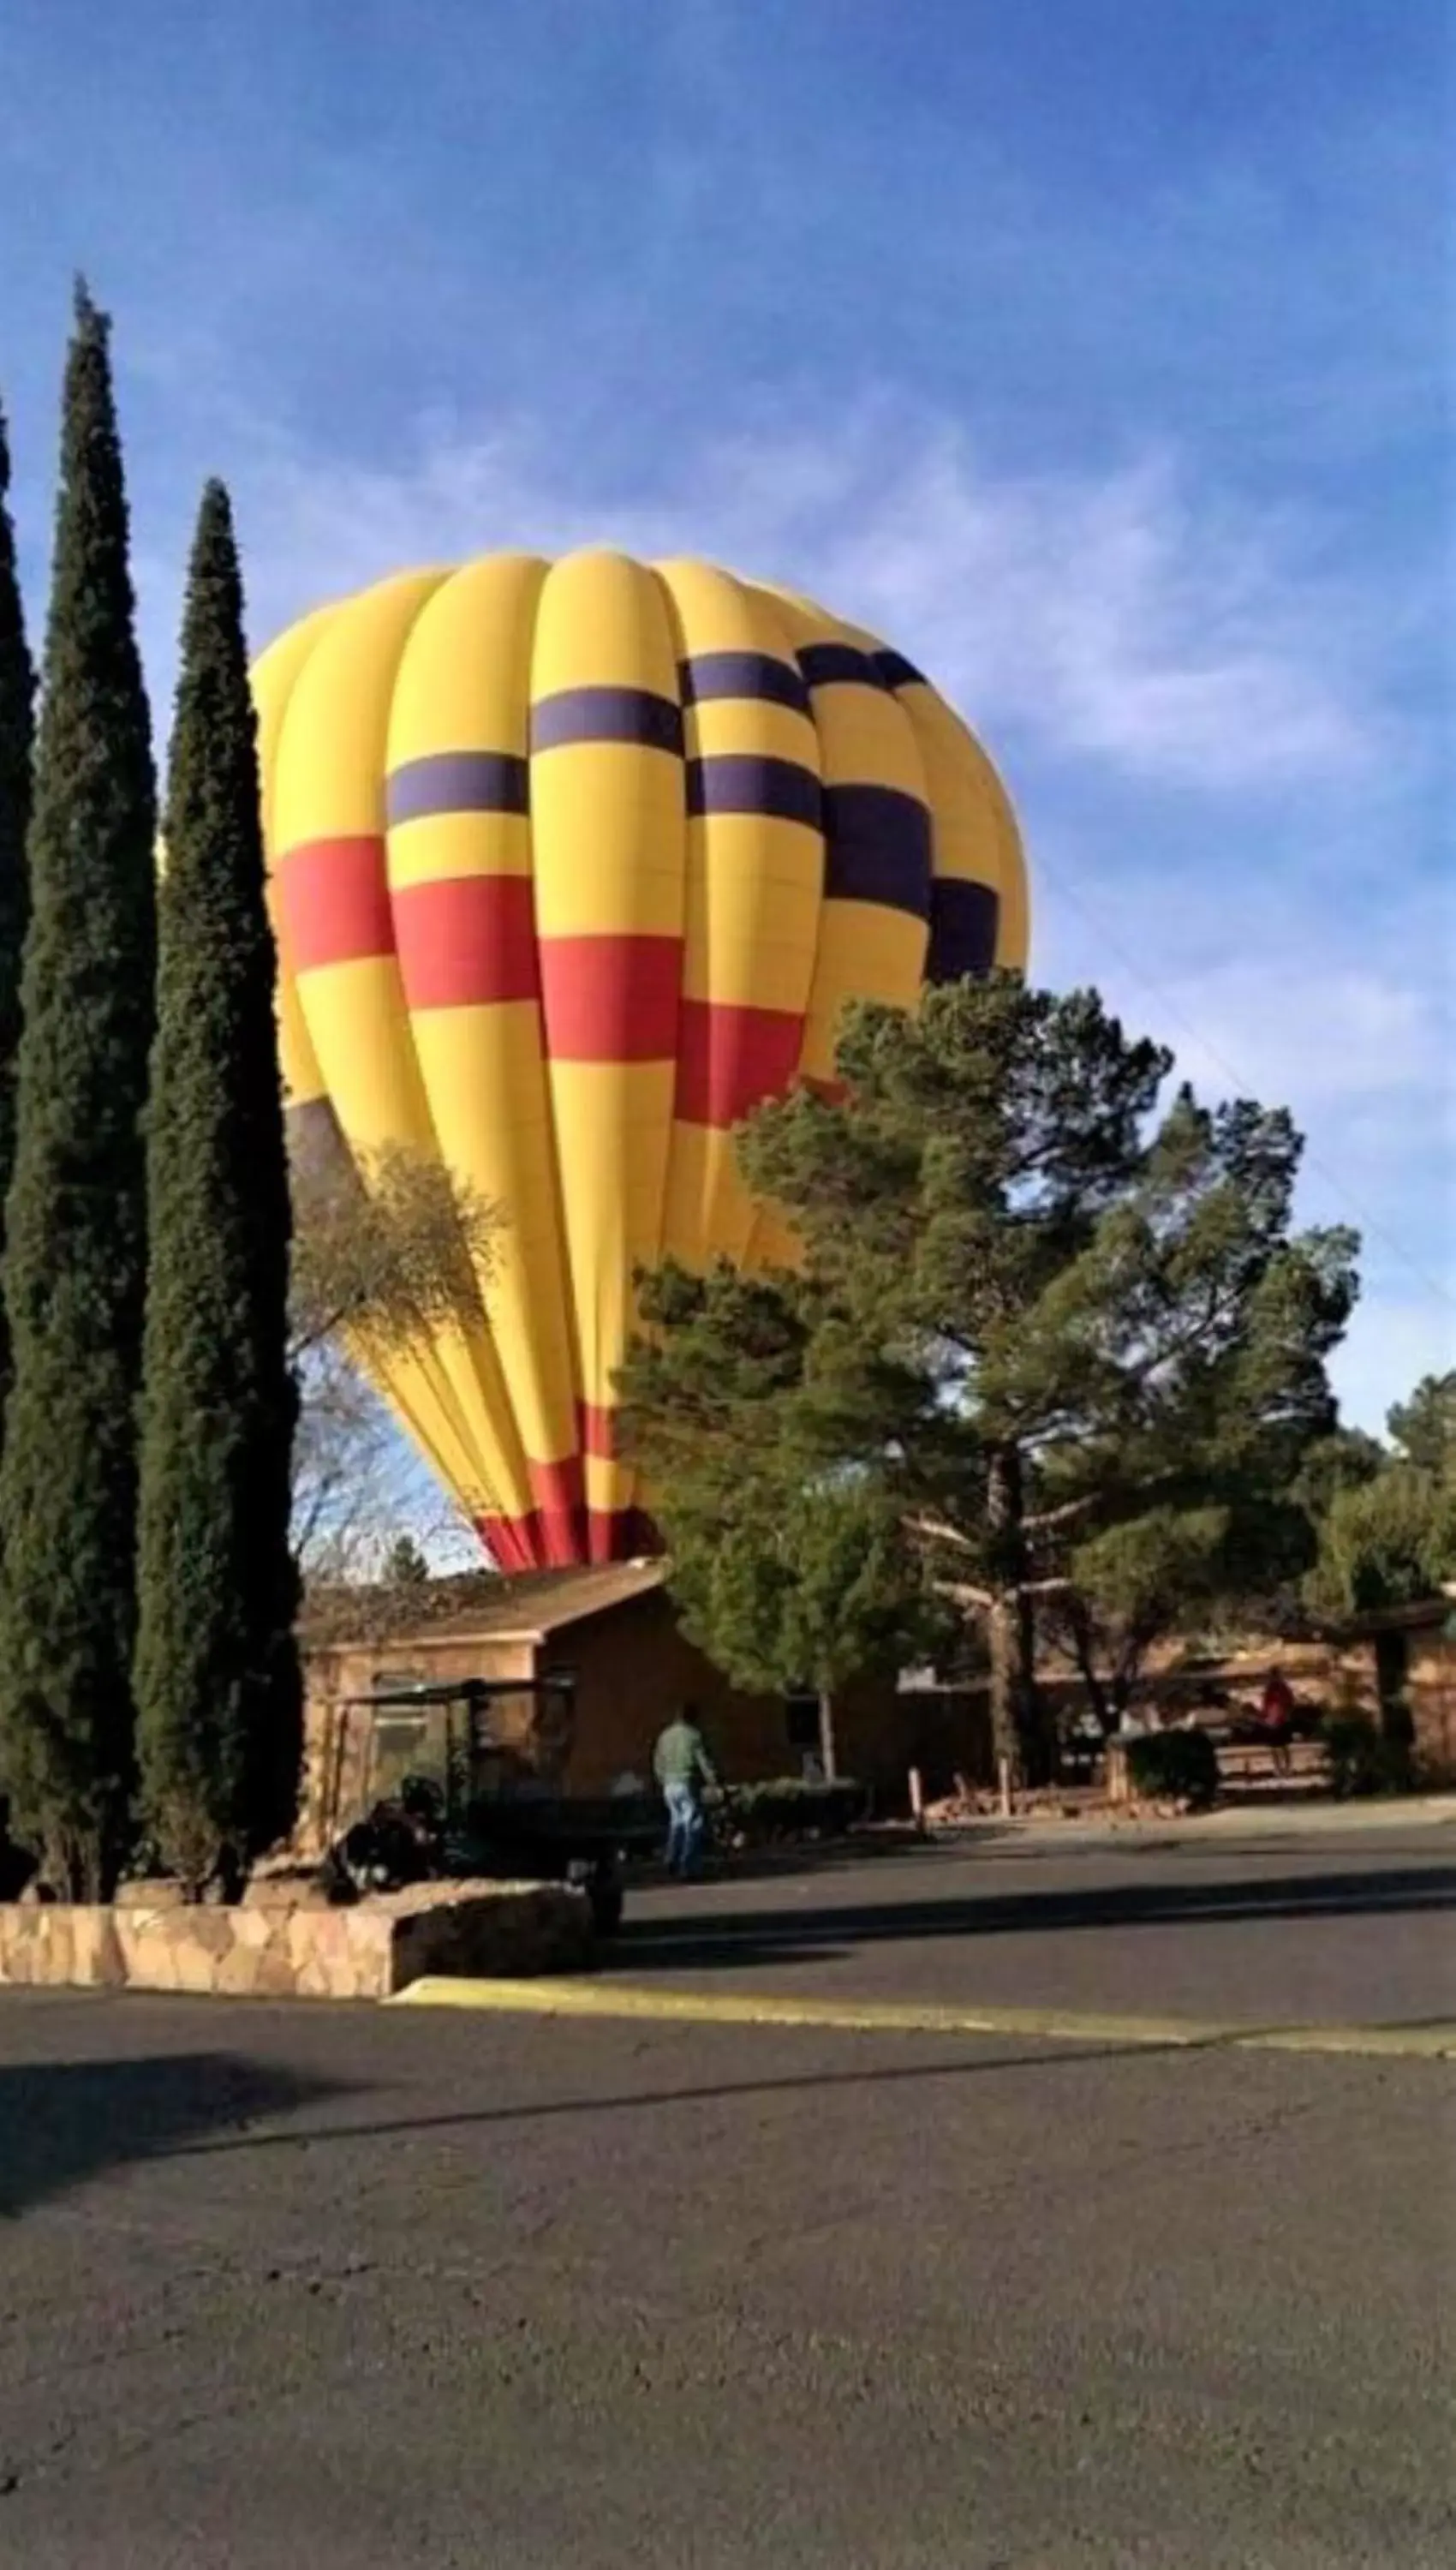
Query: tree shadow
(551, 2110)
(64, 2122)
(1266, 1845)
(681, 1940)
(810, 1856)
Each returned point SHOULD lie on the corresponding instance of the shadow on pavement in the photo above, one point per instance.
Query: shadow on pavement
(1261, 1846)
(807, 1857)
(62, 2122)
(680, 1941)
(548, 2109)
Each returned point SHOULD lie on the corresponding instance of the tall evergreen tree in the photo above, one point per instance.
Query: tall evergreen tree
(74, 1257)
(1423, 1429)
(1062, 1331)
(17, 724)
(219, 1705)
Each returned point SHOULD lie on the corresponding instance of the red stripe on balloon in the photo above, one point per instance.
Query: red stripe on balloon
(610, 999)
(561, 1543)
(596, 1430)
(466, 938)
(559, 1513)
(729, 1059)
(601, 1534)
(334, 898)
(557, 1486)
(506, 1539)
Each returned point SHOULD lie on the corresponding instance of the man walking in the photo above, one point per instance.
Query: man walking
(682, 1767)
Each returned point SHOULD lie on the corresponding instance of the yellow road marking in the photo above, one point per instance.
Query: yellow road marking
(619, 1999)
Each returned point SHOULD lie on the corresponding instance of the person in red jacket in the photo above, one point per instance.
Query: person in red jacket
(1276, 1713)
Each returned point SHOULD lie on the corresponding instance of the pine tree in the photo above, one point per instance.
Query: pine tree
(1423, 1429)
(795, 1590)
(1062, 1331)
(219, 1714)
(74, 1275)
(17, 726)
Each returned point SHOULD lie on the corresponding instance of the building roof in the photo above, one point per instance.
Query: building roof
(485, 1605)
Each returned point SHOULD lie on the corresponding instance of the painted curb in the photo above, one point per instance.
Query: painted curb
(623, 2001)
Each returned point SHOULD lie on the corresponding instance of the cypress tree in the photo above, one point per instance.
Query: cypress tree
(17, 726)
(218, 1712)
(75, 1262)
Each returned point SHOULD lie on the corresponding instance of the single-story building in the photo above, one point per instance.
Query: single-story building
(1395, 1668)
(1398, 1665)
(615, 1629)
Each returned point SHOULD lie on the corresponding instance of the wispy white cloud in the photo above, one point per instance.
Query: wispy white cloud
(1396, 1341)
(1339, 1034)
(1110, 617)
(1344, 1020)
(1130, 639)
(1120, 619)
(1307, 989)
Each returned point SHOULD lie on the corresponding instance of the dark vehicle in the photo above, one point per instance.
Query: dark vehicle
(467, 1778)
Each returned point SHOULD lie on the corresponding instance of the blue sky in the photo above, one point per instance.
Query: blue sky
(1096, 352)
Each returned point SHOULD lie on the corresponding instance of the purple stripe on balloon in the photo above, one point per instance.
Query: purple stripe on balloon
(777, 789)
(828, 665)
(457, 781)
(710, 675)
(897, 671)
(877, 847)
(634, 714)
(964, 919)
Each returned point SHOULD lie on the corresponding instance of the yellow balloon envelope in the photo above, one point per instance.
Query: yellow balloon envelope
(571, 867)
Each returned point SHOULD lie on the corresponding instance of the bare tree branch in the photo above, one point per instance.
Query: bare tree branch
(936, 1530)
(1045, 1518)
(386, 1257)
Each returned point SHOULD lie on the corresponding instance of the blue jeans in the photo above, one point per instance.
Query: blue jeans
(684, 1828)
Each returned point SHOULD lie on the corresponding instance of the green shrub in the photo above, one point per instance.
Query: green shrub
(1362, 1759)
(787, 1806)
(1174, 1767)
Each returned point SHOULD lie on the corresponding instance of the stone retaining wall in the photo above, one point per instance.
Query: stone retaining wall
(285, 1950)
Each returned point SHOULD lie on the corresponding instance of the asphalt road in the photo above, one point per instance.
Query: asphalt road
(347, 2287)
(1313, 1926)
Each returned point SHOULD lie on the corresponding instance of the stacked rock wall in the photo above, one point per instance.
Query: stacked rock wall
(281, 1949)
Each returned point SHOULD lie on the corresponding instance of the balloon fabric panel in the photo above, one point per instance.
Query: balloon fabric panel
(570, 866)
(414, 1386)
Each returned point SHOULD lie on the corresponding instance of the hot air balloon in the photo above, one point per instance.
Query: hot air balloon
(570, 866)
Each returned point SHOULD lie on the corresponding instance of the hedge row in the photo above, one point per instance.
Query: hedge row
(787, 1806)
(1183, 1766)
(1174, 1767)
